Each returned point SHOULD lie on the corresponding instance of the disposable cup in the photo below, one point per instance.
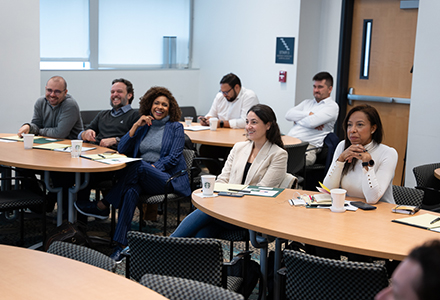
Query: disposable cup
(208, 182)
(188, 121)
(76, 148)
(213, 123)
(28, 140)
(338, 200)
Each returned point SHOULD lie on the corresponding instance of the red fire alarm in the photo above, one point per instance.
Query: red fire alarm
(282, 76)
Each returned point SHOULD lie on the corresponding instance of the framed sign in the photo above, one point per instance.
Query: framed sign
(284, 50)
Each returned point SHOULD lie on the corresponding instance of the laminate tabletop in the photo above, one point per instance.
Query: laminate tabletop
(32, 274)
(364, 232)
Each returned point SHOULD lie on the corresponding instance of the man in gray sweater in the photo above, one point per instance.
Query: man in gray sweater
(56, 115)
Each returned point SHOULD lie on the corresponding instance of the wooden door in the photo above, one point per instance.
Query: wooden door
(391, 62)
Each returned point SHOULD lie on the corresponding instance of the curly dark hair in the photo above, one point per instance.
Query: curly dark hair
(266, 114)
(146, 102)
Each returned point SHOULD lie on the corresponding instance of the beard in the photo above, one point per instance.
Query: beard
(232, 99)
(123, 102)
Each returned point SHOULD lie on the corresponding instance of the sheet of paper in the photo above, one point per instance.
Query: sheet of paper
(51, 146)
(121, 160)
(197, 128)
(228, 187)
(69, 149)
(202, 196)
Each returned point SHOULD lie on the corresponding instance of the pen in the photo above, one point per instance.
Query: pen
(435, 220)
(241, 191)
(101, 155)
(65, 148)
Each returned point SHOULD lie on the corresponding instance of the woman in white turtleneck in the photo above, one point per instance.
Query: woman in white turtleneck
(361, 164)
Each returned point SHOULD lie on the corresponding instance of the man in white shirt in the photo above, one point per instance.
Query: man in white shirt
(230, 107)
(314, 118)
(231, 104)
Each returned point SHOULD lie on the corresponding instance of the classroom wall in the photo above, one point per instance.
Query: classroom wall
(92, 88)
(19, 61)
(424, 133)
(240, 37)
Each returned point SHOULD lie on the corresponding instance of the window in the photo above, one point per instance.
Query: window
(98, 34)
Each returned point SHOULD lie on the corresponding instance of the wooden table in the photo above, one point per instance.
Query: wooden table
(364, 232)
(32, 274)
(13, 154)
(437, 173)
(226, 137)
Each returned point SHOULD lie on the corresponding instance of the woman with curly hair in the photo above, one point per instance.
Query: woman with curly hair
(158, 138)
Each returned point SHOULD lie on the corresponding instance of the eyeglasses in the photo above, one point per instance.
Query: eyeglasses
(226, 93)
(56, 92)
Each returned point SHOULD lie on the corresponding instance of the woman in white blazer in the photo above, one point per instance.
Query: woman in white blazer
(261, 160)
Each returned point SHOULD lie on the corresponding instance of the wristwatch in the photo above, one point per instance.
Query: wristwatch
(222, 123)
(118, 139)
(368, 163)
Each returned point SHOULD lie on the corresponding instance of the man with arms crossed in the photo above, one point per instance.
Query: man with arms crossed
(314, 118)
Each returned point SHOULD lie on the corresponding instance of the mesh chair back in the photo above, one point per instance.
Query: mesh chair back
(191, 258)
(312, 277)
(83, 254)
(425, 176)
(185, 289)
(407, 196)
(297, 159)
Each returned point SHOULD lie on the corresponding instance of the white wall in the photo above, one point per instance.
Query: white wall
(240, 37)
(424, 133)
(19, 61)
(91, 89)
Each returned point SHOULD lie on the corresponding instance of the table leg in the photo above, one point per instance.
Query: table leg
(277, 265)
(73, 191)
(59, 191)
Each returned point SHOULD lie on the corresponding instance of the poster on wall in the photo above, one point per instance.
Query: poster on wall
(284, 51)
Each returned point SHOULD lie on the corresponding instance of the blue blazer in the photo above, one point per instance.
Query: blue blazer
(171, 158)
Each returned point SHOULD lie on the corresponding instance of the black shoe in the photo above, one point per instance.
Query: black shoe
(91, 209)
(116, 255)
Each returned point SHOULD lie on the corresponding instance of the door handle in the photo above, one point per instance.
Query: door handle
(351, 96)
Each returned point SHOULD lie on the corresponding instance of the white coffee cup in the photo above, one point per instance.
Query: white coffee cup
(338, 200)
(188, 121)
(28, 140)
(76, 148)
(208, 182)
(213, 123)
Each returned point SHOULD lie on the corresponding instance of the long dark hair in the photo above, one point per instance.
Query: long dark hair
(146, 102)
(266, 114)
(374, 119)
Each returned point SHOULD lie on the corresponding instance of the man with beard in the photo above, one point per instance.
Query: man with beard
(314, 118)
(231, 104)
(230, 107)
(109, 126)
(56, 115)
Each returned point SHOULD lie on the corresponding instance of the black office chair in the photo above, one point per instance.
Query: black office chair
(188, 111)
(296, 161)
(87, 116)
(430, 185)
(407, 196)
(20, 199)
(197, 259)
(318, 170)
(313, 277)
(176, 288)
(83, 254)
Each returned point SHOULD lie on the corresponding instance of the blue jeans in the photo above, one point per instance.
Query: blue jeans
(200, 225)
